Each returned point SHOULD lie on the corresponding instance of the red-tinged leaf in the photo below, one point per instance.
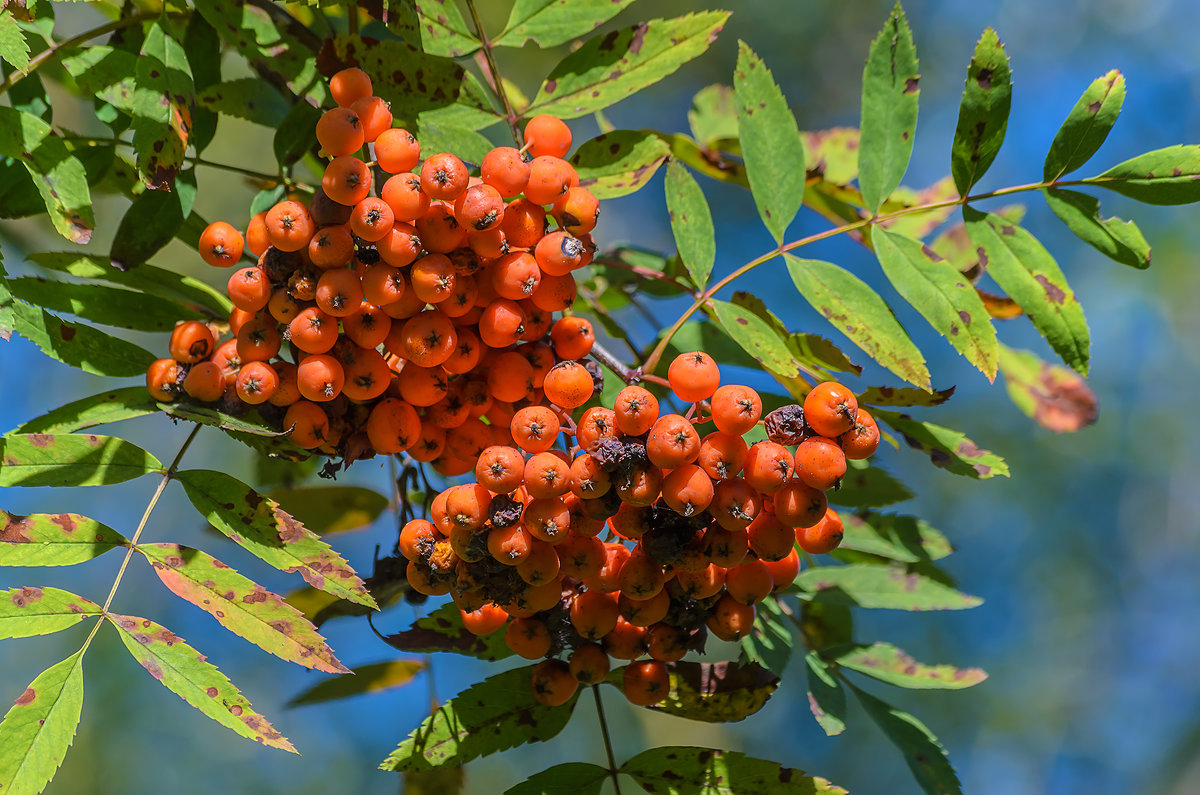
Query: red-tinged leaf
(443, 630)
(947, 448)
(28, 611)
(826, 698)
(259, 525)
(885, 662)
(881, 587)
(902, 538)
(903, 396)
(39, 728)
(186, 673)
(1057, 398)
(831, 154)
(40, 459)
(53, 539)
(373, 678)
(983, 112)
(920, 224)
(618, 163)
(242, 606)
(712, 771)
(721, 692)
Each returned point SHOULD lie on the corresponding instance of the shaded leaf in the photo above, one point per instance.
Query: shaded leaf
(109, 306)
(554, 22)
(691, 223)
(947, 448)
(885, 662)
(440, 28)
(162, 108)
(40, 459)
(770, 641)
(267, 46)
(1031, 277)
(493, 715)
(1118, 240)
(708, 337)
(713, 115)
(609, 68)
(684, 770)
(1086, 126)
(76, 344)
(922, 751)
(1055, 397)
(826, 698)
(903, 396)
(867, 486)
(373, 678)
(58, 175)
(29, 611)
(258, 524)
(891, 88)
(53, 539)
(185, 672)
(434, 781)
(249, 429)
(296, 134)
(722, 692)
(983, 113)
(443, 630)
(825, 624)
(902, 538)
(569, 778)
(331, 509)
(1164, 176)
(771, 145)
(151, 222)
(858, 312)
(248, 98)
(39, 728)
(618, 163)
(708, 162)
(881, 587)
(202, 45)
(241, 605)
(119, 404)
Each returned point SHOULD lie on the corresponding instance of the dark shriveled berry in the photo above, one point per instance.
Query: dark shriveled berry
(785, 425)
(503, 511)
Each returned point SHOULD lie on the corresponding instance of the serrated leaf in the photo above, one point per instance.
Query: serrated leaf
(826, 698)
(39, 728)
(881, 587)
(941, 294)
(331, 509)
(259, 525)
(868, 486)
(249, 429)
(684, 770)
(13, 47)
(903, 538)
(106, 72)
(903, 396)
(887, 663)
(771, 145)
(493, 715)
(76, 344)
(443, 630)
(1120, 241)
(29, 611)
(691, 223)
(922, 751)
(891, 87)
(609, 68)
(439, 28)
(40, 459)
(755, 336)
(982, 114)
(708, 162)
(1086, 126)
(53, 539)
(241, 605)
(185, 672)
(296, 134)
(1055, 397)
(119, 404)
(618, 163)
(713, 115)
(816, 351)
(858, 312)
(569, 778)
(59, 176)
(162, 108)
(151, 222)
(109, 306)
(770, 640)
(248, 98)
(947, 448)
(1164, 176)
(1026, 271)
(373, 678)
(722, 692)
(554, 22)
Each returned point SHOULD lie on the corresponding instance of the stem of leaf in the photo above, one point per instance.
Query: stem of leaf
(612, 762)
(195, 160)
(510, 113)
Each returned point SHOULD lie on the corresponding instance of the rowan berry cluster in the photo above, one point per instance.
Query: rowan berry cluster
(410, 318)
(700, 528)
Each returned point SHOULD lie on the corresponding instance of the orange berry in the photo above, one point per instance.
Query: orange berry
(221, 245)
(535, 428)
(549, 178)
(552, 683)
(823, 537)
(320, 377)
(205, 381)
(397, 151)
(636, 410)
(256, 382)
(558, 253)
(568, 384)
(372, 219)
(164, 379)
(693, 376)
(350, 85)
(721, 455)
(339, 293)
(347, 180)
(308, 422)
(830, 409)
(524, 223)
(862, 440)
(730, 619)
(820, 463)
(404, 195)
(340, 132)
(799, 505)
(646, 683)
(375, 117)
(687, 490)
(547, 136)
(672, 442)
(769, 537)
(257, 240)
(577, 211)
(589, 664)
(768, 466)
(479, 208)
(505, 170)
(736, 409)
(443, 176)
(191, 341)
(249, 288)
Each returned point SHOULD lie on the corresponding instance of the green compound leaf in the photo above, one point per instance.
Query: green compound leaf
(443, 630)
(184, 671)
(496, 714)
(39, 728)
(771, 144)
(826, 624)
(770, 641)
(439, 27)
(903, 538)
(723, 692)
(249, 98)
(151, 222)
(922, 751)
(713, 115)
(891, 87)
(569, 778)
(1026, 271)
(259, 525)
(885, 662)
(373, 678)
(53, 539)
(331, 509)
(983, 113)
(434, 136)
(826, 698)
(609, 68)
(1086, 126)
(58, 175)
(296, 136)
(202, 44)
(28, 611)
(162, 106)
(686, 770)
(40, 459)
(1164, 176)
(903, 396)
(618, 163)
(866, 486)
(942, 295)
(1055, 397)
(13, 47)
(241, 605)
(76, 344)
(756, 337)
(109, 306)
(881, 587)
(1120, 241)
(265, 44)
(119, 404)
(946, 448)
(554, 22)
(691, 223)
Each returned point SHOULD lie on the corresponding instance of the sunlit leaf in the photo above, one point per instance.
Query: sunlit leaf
(720, 692)
(13, 47)
(443, 630)
(40, 726)
(713, 115)
(109, 306)
(826, 698)
(983, 113)
(331, 509)
(902, 538)
(250, 429)
(891, 88)
(439, 27)
(40, 459)
(1086, 126)
(29, 611)
(58, 175)
(266, 45)
(1120, 241)
(569, 778)
(922, 751)
(1055, 397)
(756, 337)
(373, 678)
(832, 154)
(618, 163)
(76, 344)
(146, 278)
(554, 22)
(712, 771)
(119, 404)
(885, 662)
(881, 587)
(691, 223)
(162, 106)
(435, 137)
(53, 539)
(1164, 176)
(947, 448)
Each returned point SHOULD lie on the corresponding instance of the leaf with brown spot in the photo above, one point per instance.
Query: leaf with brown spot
(270, 47)
(691, 223)
(887, 663)
(712, 771)
(58, 175)
(437, 26)
(241, 605)
(39, 728)
(947, 448)
(373, 678)
(115, 405)
(881, 587)
(1120, 241)
(722, 692)
(25, 612)
(1056, 398)
(903, 396)
(1164, 176)
(162, 108)
(71, 460)
(826, 698)
(250, 429)
(832, 155)
(889, 110)
(53, 539)
(443, 630)
(618, 163)
(903, 538)
(185, 672)
(757, 338)
(982, 114)
(554, 22)
(98, 303)
(1086, 126)
(259, 525)
(712, 117)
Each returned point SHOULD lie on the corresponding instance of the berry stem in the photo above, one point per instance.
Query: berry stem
(612, 762)
(510, 112)
(606, 358)
(647, 273)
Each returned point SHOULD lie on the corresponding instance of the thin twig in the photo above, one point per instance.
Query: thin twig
(352, 19)
(625, 373)
(510, 112)
(195, 160)
(612, 762)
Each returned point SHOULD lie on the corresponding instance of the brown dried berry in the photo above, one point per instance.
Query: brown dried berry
(785, 425)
